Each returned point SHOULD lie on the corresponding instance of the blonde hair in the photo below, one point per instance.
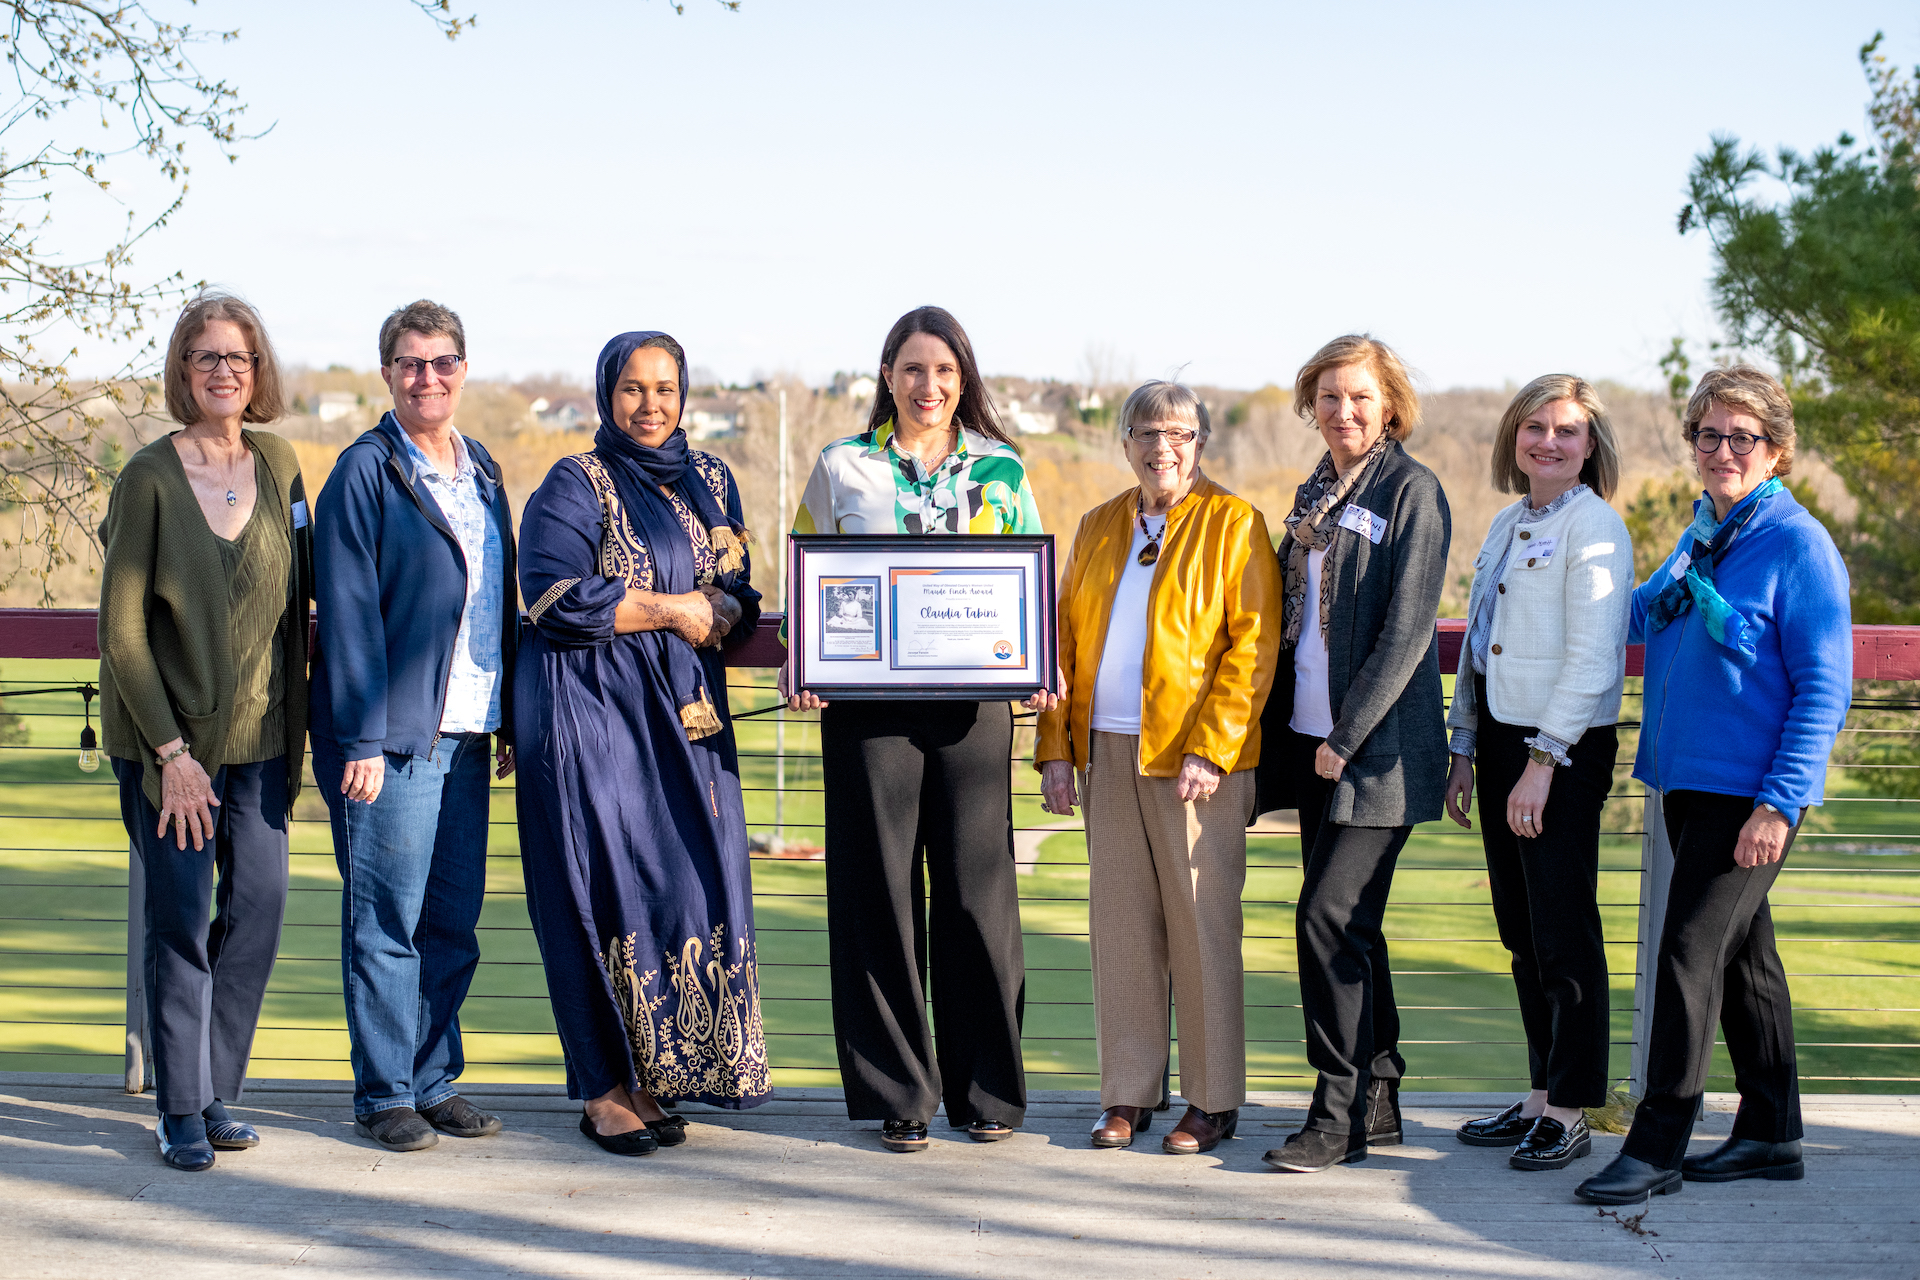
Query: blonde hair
(1600, 473)
(1159, 401)
(268, 401)
(1388, 371)
(1744, 389)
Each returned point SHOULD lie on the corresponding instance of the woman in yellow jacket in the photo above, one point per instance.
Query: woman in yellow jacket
(1169, 629)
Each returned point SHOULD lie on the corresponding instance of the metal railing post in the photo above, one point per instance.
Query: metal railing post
(1656, 870)
(138, 1058)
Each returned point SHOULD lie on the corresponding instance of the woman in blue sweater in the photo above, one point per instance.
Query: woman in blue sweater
(1749, 674)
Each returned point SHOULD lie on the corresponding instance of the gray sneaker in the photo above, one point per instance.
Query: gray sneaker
(397, 1129)
(458, 1118)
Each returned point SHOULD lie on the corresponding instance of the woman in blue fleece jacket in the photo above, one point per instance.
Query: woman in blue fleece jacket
(1748, 677)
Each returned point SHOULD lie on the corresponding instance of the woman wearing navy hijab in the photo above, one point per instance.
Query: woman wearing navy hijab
(632, 835)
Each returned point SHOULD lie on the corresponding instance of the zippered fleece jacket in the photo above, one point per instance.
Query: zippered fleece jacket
(1765, 729)
(390, 585)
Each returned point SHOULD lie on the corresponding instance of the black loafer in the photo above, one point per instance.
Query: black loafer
(226, 1133)
(1311, 1150)
(1628, 1181)
(188, 1157)
(1552, 1145)
(1503, 1130)
(670, 1132)
(1383, 1113)
(397, 1129)
(1738, 1158)
(458, 1118)
(904, 1135)
(635, 1142)
(989, 1131)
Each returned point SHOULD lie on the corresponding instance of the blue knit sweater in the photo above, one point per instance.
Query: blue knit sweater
(1765, 729)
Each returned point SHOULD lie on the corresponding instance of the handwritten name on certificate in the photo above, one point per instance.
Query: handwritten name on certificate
(955, 618)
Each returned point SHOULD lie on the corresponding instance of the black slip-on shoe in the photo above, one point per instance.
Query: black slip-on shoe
(989, 1131)
(1311, 1150)
(1738, 1158)
(904, 1135)
(634, 1142)
(670, 1132)
(397, 1129)
(226, 1133)
(1628, 1181)
(1552, 1145)
(194, 1156)
(1383, 1113)
(458, 1118)
(1503, 1130)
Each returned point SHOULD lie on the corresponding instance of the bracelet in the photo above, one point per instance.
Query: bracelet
(174, 754)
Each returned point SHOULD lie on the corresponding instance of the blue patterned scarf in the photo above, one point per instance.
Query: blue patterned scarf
(1694, 585)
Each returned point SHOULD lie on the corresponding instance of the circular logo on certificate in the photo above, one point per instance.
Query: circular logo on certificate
(1002, 650)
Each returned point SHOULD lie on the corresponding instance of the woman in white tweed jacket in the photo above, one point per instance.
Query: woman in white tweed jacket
(1534, 707)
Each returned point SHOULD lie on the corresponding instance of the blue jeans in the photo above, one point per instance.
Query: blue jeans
(414, 867)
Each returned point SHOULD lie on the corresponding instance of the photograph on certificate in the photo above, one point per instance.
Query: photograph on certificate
(849, 619)
(959, 618)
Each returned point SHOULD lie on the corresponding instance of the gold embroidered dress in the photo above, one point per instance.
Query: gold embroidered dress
(633, 838)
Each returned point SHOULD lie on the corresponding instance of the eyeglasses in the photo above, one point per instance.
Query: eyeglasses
(1172, 435)
(208, 361)
(414, 366)
(1741, 442)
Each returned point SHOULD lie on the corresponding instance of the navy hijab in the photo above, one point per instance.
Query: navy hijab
(639, 473)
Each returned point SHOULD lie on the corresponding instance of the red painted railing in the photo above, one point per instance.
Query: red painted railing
(1879, 653)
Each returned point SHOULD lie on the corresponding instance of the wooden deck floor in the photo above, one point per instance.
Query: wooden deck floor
(794, 1189)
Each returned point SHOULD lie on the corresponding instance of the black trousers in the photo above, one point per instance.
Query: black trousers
(1545, 900)
(1718, 966)
(1346, 989)
(907, 780)
(206, 978)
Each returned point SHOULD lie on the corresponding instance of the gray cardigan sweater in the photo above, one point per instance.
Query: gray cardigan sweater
(1383, 658)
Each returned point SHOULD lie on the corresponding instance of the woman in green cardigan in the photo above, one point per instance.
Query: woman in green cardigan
(203, 707)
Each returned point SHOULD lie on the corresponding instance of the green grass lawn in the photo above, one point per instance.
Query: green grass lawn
(1844, 910)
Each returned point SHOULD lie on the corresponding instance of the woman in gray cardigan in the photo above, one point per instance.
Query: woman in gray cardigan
(1534, 706)
(1355, 717)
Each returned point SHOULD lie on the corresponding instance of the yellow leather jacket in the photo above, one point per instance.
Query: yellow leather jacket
(1213, 632)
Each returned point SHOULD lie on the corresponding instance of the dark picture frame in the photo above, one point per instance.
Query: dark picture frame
(1017, 647)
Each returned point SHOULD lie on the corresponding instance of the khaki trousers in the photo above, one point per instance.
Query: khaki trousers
(1166, 877)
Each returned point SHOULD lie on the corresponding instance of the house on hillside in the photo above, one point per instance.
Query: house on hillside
(565, 415)
(713, 415)
(1030, 422)
(331, 406)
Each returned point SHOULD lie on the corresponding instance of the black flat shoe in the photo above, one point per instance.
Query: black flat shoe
(670, 1132)
(1552, 1145)
(989, 1131)
(1503, 1130)
(1311, 1150)
(635, 1142)
(1383, 1113)
(224, 1132)
(194, 1156)
(1628, 1181)
(904, 1135)
(1738, 1158)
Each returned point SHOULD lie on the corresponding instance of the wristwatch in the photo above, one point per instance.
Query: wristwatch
(1762, 804)
(1540, 755)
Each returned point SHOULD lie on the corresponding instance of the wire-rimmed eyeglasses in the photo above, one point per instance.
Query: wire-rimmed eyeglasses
(414, 366)
(208, 361)
(1152, 436)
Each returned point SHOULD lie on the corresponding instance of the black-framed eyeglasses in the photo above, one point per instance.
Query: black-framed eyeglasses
(1153, 436)
(208, 361)
(414, 366)
(1741, 442)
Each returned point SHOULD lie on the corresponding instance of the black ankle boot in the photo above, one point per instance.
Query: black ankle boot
(1383, 1113)
(1628, 1181)
(1738, 1158)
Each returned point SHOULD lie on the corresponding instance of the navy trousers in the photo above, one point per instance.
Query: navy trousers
(213, 928)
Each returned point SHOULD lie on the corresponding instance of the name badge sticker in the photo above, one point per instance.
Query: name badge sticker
(1541, 553)
(1361, 520)
(300, 514)
(1680, 566)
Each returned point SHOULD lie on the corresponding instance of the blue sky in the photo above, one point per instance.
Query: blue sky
(1490, 187)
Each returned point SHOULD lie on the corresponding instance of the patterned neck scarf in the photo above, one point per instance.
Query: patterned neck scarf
(1694, 584)
(1314, 518)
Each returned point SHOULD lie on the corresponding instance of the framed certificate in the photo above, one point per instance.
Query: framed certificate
(962, 616)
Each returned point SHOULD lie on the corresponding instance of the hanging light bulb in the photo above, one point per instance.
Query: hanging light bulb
(89, 745)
